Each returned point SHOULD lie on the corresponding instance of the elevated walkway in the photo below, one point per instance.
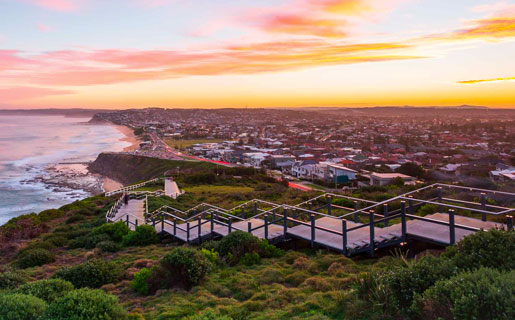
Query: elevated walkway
(325, 222)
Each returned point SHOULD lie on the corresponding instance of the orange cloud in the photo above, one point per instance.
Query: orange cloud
(77, 68)
(343, 6)
(298, 24)
(486, 80)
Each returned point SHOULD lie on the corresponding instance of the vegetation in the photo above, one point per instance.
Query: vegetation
(93, 273)
(15, 306)
(47, 290)
(142, 236)
(85, 304)
(35, 257)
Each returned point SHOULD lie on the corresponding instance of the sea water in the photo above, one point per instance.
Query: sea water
(29, 144)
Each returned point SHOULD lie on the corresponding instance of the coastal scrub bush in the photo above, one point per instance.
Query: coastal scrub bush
(405, 283)
(56, 240)
(183, 267)
(143, 235)
(48, 290)
(211, 255)
(140, 281)
(85, 304)
(237, 244)
(211, 245)
(93, 273)
(493, 248)
(250, 259)
(108, 246)
(267, 250)
(10, 279)
(115, 231)
(15, 306)
(88, 241)
(35, 257)
(480, 294)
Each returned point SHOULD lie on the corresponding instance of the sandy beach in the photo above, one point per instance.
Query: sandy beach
(129, 137)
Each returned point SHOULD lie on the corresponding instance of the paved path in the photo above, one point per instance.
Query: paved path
(135, 210)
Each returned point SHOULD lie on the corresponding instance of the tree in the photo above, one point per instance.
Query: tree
(411, 169)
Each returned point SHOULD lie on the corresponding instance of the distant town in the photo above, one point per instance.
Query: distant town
(337, 148)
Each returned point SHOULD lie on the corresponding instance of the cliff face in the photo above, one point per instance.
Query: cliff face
(129, 169)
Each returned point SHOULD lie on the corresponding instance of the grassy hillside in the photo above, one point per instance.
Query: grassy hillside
(68, 263)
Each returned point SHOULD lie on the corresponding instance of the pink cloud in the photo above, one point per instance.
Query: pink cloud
(57, 5)
(21, 93)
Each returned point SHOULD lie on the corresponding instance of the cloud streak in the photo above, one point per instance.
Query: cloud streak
(486, 80)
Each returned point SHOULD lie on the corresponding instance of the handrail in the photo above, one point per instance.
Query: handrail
(131, 187)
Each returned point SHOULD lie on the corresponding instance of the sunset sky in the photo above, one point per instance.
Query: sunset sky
(261, 53)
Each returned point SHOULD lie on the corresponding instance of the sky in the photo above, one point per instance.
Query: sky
(266, 53)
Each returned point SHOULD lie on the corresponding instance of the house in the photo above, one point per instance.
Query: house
(338, 173)
(281, 161)
(303, 169)
(382, 179)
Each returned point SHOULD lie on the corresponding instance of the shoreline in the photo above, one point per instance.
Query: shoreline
(130, 137)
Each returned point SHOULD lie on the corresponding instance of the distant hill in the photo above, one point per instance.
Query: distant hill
(75, 112)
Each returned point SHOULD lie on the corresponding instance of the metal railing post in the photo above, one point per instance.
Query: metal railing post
(403, 220)
(285, 221)
(243, 212)
(153, 222)
(187, 232)
(344, 236)
(372, 235)
(135, 222)
(355, 213)
(329, 205)
(230, 225)
(212, 222)
(452, 230)
(249, 227)
(266, 226)
(509, 223)
(483, 206)
(439, 199)
(310, 206)
(127, 219)
(312, 217)
(385, 212)
(174, 228)
(199, 229)
(273, 217)
(162, 223)
(255, 208)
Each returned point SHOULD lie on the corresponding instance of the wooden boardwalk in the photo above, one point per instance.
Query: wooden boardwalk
(206, 221)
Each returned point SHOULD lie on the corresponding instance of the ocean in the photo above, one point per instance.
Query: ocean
(29, 145)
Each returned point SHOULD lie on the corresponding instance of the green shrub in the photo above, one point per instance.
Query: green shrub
(493, 248)
(75, 218)
(404, 283)
(140, 281)
(237, 244)
(93, 273)
(480, 294)
(108, 246)
(35, 257)
(48, 290)
(37, 245)
(115, 231)
(88, 241)
(57, 241)
(85, 304)
(211, 255)
(21, 307)
(211, 245)
(266, 250)
(11, 280)
(183, 267)
(143, 235)
(250, 258)
(208, 315)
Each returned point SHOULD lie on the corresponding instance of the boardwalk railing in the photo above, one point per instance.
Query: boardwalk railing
(348, 224)
(131, 187)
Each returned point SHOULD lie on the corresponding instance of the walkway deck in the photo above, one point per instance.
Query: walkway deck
(134, 210)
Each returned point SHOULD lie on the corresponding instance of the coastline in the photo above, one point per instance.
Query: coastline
(130, 137)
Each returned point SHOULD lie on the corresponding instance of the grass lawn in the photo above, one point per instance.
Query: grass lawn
(184, 143)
